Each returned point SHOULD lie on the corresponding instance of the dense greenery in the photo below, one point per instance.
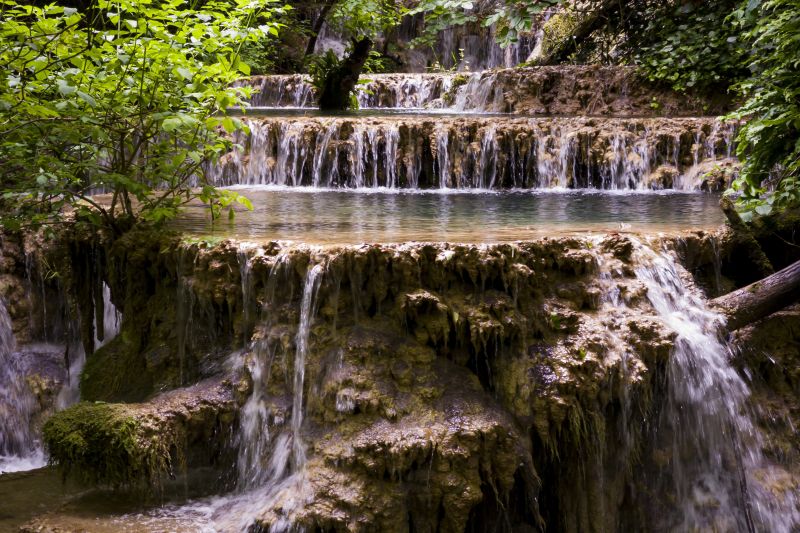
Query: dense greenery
(769, 142)
(126, 98)
(689, 46)
(749, 48)
(510, 18)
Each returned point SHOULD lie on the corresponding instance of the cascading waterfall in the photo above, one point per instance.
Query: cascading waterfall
(271, 459)
(398, 152)
(111, 320)
(255, 434)
(718, 471)
(294, 90)
(307, 311)
(20, 448)
(477, 92)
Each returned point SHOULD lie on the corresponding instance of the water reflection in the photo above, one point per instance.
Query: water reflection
(351, 217)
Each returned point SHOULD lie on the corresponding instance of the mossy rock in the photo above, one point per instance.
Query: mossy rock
(100, 443)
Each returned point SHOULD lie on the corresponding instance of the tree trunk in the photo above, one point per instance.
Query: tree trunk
(588, 24)
(762, 298)
(317, 26)
(744, 236)
(335, 94)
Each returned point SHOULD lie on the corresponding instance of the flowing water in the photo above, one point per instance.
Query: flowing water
(20, 368)
(423, 151)
(20, 448)
(479, 92)
(718, 472)
(272, 457)
(433, 158)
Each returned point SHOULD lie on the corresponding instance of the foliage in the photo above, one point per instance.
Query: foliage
(260, 55)
(513, 19)
(377, 63)
(365, 18)
(127, 98)
(510, 18)
(769, 142)
(689, 46)
(441, 15)
(320, 66)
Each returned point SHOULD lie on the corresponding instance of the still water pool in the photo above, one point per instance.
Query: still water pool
(317, 216)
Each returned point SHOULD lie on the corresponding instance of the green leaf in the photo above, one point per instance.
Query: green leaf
(171, 124)
(64, 87)
(185, 73)
(86, 98)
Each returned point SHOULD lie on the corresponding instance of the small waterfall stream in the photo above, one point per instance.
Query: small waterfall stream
(20, 442)
(718, 471)
(20, 448)
(271, 457)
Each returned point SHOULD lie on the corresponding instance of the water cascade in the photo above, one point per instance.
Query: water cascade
(538, 91)
(522, 344)
(271, 457)
(467, 153)
(20, 448)
(718, 473)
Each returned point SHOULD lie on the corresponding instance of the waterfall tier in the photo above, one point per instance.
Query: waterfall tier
(562, 90)
(433, 152)
(400, 378)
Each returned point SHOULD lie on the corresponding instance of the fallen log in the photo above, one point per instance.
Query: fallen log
(762, 298)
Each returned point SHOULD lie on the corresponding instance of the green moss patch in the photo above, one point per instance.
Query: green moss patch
(102, 444)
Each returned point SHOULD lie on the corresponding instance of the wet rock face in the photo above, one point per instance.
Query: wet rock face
(768, 350)
(446, 386)
(489, 153)
(423, 401)
(560, 90)
(13, 286)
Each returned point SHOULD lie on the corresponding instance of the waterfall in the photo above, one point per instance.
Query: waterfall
(527, 153)
(718, 470)
(20, 448)
(482, 92)
(271, 459)
(307, 311)
(111, 320)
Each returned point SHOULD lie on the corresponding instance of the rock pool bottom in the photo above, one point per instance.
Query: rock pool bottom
(315, 216)
(73, 507)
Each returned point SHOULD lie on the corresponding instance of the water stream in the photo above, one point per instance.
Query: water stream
(718, 471)
(20, 448)
(434, 152)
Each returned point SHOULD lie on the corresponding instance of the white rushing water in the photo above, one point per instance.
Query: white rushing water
(533, 153)
(20, 448)
(476, 92)
(272, 457)
(719, 474)
(70, 393)
(20, 442)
